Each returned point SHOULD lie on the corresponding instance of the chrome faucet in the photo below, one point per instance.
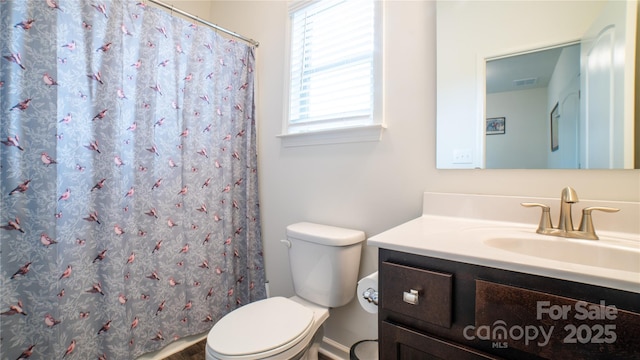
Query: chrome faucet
(565, 223)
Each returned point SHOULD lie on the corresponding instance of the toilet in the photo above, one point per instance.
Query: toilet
(324, 262)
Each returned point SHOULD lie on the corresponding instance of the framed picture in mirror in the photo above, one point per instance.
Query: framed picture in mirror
(495, 126)
(555, 118)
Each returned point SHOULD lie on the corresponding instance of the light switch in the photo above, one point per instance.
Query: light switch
(462, 156)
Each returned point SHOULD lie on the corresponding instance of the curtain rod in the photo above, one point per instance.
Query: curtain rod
(193, 17)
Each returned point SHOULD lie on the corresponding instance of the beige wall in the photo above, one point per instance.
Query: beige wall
(637, 120)
(371, 186)
(200, 8)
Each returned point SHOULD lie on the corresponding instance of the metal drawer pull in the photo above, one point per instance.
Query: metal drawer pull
(410, 297)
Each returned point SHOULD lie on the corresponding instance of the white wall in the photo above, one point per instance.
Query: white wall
(526, 122)
(564, 91)
(373, 186)
(366, 186)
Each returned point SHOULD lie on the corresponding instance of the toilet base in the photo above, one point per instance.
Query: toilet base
(312, 352)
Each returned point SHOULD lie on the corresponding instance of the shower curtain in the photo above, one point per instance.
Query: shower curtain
(129, 214)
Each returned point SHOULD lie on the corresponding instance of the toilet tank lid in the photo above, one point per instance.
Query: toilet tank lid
(325, 234)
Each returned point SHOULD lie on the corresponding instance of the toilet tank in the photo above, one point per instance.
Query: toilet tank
(324, 262)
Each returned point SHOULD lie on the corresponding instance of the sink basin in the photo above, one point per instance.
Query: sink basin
(584, 252)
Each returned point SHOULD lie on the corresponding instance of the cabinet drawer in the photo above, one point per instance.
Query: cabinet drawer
(431, 298)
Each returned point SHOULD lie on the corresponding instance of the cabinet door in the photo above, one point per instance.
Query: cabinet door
(572, 328)
(400, 343)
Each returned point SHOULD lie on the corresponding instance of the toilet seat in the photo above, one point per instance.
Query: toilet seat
(260, 329)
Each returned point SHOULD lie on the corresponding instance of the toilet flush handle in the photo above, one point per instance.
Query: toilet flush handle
(286, 243)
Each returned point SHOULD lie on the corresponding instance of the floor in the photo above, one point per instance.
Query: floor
(193, 352)
(196, 352)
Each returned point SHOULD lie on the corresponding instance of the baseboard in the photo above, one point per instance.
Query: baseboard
(333, 349)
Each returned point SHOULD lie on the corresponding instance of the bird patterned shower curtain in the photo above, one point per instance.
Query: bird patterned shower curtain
(129, 214)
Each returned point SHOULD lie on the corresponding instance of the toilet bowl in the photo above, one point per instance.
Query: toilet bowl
(324, 262)
(274, 328)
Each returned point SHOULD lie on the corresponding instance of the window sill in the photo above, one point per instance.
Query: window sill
(365, 133)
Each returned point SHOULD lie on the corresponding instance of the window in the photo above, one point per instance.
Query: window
(335, 77)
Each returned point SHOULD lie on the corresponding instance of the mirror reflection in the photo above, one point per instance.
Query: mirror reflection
(521, 89)
(543, 94)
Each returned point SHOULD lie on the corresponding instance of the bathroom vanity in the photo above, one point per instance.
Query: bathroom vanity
(466, 311)
(449, 287)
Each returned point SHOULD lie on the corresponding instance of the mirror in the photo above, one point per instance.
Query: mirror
(530, 84)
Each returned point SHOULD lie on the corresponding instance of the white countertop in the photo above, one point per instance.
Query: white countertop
(463, 239)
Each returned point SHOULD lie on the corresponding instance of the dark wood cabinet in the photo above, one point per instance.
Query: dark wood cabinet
(404, 343)
(431, 308)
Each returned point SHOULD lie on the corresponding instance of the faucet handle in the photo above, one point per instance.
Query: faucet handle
(545, 218)
(586, 224)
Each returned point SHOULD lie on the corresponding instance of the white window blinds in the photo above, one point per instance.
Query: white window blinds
(332, 65)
